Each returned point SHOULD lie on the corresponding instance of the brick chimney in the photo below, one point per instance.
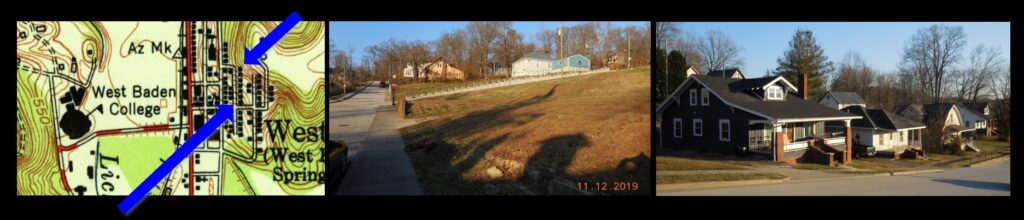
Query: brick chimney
(803, 86)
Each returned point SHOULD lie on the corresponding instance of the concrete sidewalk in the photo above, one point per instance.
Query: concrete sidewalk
(379, 164)
(381, 167)
(794, 174)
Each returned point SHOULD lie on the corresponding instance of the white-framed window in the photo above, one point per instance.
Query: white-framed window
(798, 131)
(808, 129)
(704, 97)
(677, 127)
(901, 136)
(767, 130)
(774, 93)
(698, 127)
(723, 129)
(693, 97)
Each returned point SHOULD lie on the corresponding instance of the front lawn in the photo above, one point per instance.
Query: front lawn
(663, 163)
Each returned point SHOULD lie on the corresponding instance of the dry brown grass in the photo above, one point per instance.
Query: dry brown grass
(677, 163)
(588, 128)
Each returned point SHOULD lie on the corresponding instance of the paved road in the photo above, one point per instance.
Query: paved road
(370, 125)
(991, 180)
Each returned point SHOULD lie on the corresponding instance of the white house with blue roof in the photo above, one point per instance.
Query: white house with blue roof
(538, 63)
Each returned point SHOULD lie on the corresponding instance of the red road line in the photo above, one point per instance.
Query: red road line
(188, 77)
(63, 178)
(66, 148)
(156, 128)
(100, 133)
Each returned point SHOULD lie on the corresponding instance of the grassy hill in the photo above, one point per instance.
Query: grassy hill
(593, 128)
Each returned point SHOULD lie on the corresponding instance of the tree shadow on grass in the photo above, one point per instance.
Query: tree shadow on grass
(631, 176)
(448, 168)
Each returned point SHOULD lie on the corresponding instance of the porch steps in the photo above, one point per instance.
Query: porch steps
(971, 147)
(836, 150)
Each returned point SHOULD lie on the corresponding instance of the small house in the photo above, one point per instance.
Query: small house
(532, 64)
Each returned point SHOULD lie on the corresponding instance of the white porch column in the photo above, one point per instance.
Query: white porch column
(848, 155)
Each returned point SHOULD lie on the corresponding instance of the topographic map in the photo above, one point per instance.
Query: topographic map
(102, 104)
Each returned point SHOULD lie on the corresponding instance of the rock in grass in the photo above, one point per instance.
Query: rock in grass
(494, 173)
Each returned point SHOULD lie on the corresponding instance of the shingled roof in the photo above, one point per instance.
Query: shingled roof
(975, 108)
(880, 119)
(740, 93)
(914, 113)
(537, 55)
(726, 73)
(845, 97)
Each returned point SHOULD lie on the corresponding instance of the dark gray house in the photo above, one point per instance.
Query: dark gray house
(767, 116)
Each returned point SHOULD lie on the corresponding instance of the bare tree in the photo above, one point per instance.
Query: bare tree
(854, 75)
(887, 91)
(483, 36)
(718, 51)
(931, 52)
(667, 35)
(416, 53)
(548, 40)
(973, 82)
(511, 48)
(1001, 90)
(688, 44)
(1001, 84)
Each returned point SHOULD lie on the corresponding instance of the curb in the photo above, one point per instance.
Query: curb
(350, 94)
(854, 176)
(717, 184)
(999, 159)
(721, 184)
(912, 172)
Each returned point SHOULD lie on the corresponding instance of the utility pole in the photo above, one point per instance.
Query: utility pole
(666, 63)
(560, 46)
(349, 64)
(629, 51)
(343, 80)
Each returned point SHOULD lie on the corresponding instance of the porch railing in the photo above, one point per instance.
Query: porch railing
(760, 144)
(914, 144)
(835, 140)
(799, 145)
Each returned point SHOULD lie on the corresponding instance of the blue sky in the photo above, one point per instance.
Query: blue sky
(880, 44)
(360, 35)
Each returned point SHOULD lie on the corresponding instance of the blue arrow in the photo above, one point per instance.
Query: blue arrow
(253, 56)
(224, 113)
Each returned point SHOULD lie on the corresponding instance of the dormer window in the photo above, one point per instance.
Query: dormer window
(774, 93)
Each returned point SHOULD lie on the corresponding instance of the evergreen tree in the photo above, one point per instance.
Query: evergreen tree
(660, 75)
(804, 56)
(676, 70)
